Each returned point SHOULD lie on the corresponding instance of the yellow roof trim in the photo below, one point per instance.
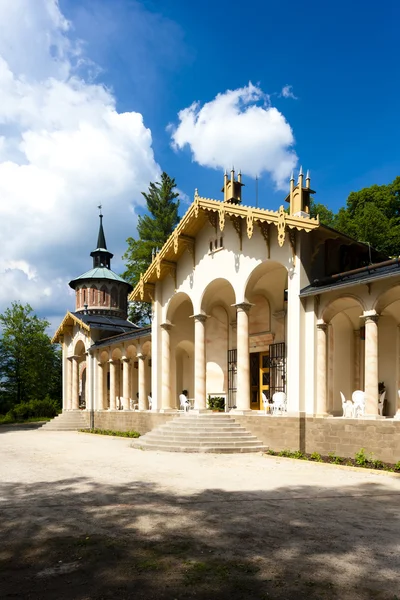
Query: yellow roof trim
(68, 320)
(199, 212)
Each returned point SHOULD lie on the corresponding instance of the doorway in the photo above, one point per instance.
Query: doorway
(259, 379)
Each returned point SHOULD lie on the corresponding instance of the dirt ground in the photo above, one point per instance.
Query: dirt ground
(89, 518)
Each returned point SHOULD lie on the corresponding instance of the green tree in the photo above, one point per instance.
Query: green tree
(153, 230)
(30, 366)
(326, 216)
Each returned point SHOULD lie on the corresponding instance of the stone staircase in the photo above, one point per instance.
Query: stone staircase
(217, 433)
(68, 421)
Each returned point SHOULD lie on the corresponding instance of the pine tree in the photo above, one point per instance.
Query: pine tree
(153, 230)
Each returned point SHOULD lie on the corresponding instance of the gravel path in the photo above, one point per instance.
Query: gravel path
(89, 518)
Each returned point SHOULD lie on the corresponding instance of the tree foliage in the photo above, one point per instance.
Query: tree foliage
(30, 366)
(153, 229)
(371, 215)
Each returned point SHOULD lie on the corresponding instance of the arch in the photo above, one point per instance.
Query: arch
(175, 302)
(79, 348)
(84, 296)
(184, 366)
(131, 351)
(270, 279)
(103, 357)
(260, 314)
(386, 298)
(146, 348)
(116, 354)
(104, 295)
(350, 303)
(93, 295)
(218, 292)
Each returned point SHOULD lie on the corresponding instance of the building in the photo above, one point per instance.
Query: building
(245, 301)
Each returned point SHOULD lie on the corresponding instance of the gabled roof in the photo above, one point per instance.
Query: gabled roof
(114, 325)
(68, 321)
(204, 210)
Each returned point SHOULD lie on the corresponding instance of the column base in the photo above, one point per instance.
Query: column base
(167, 410)
(241, 411)
(397, 415)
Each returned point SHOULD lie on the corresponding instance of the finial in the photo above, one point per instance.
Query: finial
(196, 192)
(100, 207)
(301, 171)
(292, 176)
(233, 169)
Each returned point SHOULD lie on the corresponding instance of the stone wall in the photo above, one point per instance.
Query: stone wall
(130, 421)
(344, 437)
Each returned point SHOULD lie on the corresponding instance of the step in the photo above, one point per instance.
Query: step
(226, 449)
(198, 444)
(200, 435)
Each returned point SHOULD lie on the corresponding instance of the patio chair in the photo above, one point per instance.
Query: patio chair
(348, 407)
(184, 403)
(267, 408)
(381, 402)
(150, 401)
(278, 403)
(358, 398)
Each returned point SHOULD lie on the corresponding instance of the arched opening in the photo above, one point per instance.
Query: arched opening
(218, 303)
(79, 352)
(388, 307)
(179, 313)
(345, 350)
(114, 297)
(265, 291)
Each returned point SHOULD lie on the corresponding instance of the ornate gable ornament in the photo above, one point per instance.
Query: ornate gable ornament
(215, 212)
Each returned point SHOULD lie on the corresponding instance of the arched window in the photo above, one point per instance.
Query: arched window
(114, 297)
(103, 295)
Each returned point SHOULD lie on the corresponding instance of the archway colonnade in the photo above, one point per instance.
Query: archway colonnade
(358, 348)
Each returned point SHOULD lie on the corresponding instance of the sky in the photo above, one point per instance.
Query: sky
(98, 97)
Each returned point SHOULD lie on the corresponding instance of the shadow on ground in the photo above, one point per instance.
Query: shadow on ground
(76, 539)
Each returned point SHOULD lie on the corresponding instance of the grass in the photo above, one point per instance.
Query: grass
(361, 459)
(127, 434)
(5, 420)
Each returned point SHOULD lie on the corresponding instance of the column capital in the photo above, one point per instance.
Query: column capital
(370, 316)
(243, 306)
(141, 356)
(322, 326)
(202, 318)
(126, 359)
(73, 357)
(112, 361)
(166, 326)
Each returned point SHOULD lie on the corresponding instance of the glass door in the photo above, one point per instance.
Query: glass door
(264, 377)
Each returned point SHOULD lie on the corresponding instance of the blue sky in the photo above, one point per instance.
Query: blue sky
(98, 97)
(341, 60)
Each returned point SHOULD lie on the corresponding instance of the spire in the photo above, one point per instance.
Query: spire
(101, 256)
(101, 239)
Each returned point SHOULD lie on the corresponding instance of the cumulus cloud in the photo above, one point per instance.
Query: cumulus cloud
(241, 128)
(287, 92)
(64, 148)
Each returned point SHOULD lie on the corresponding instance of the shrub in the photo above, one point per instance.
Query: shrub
(216, 403)
(316, 456)
(34, 408)
(361, 458)
(128, 434)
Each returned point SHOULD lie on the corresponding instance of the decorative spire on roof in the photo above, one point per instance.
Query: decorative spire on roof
(101, 256)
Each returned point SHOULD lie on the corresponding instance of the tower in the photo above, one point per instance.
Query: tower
(100, 291)
(233, 189)
(299, 196)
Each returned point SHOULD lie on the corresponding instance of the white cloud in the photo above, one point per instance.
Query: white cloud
(287, 92)
(64, 148)
(241, 128)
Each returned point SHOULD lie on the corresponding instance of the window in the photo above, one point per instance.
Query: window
(216, 244)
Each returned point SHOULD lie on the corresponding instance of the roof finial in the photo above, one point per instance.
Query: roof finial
(308, 178)
(100, 207)
(292, 176)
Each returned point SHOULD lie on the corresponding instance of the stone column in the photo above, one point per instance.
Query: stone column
(113, 381)
(100, 386)
(321, 369)
(243, 357)
(200, 402)
(142, 382)
(75, 383)
(371, 364)
(125, 383)
(165, 367)
(69, 384)
(357, 359)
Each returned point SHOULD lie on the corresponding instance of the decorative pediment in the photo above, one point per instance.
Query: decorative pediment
(66, 327)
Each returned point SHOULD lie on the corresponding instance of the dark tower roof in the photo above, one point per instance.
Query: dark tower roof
(101, 256)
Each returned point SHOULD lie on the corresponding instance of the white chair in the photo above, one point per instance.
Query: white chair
(150, 401)
(347, 405)
(184, 403)
(381, 403)
(358, 398)
(265, 403)
(278, 403)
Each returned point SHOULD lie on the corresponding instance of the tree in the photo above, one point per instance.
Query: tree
(371, 215)
(30, 366)
(154, 230)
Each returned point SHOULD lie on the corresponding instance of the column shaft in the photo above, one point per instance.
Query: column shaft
(100, 387)
(200, 362)
(125, 384)
(166, 367)
(243, 357)
(75, 384)
(321, 369)
(69, 384)
(357, 359)
(142, 382)
(113, 368)
(371, 365)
